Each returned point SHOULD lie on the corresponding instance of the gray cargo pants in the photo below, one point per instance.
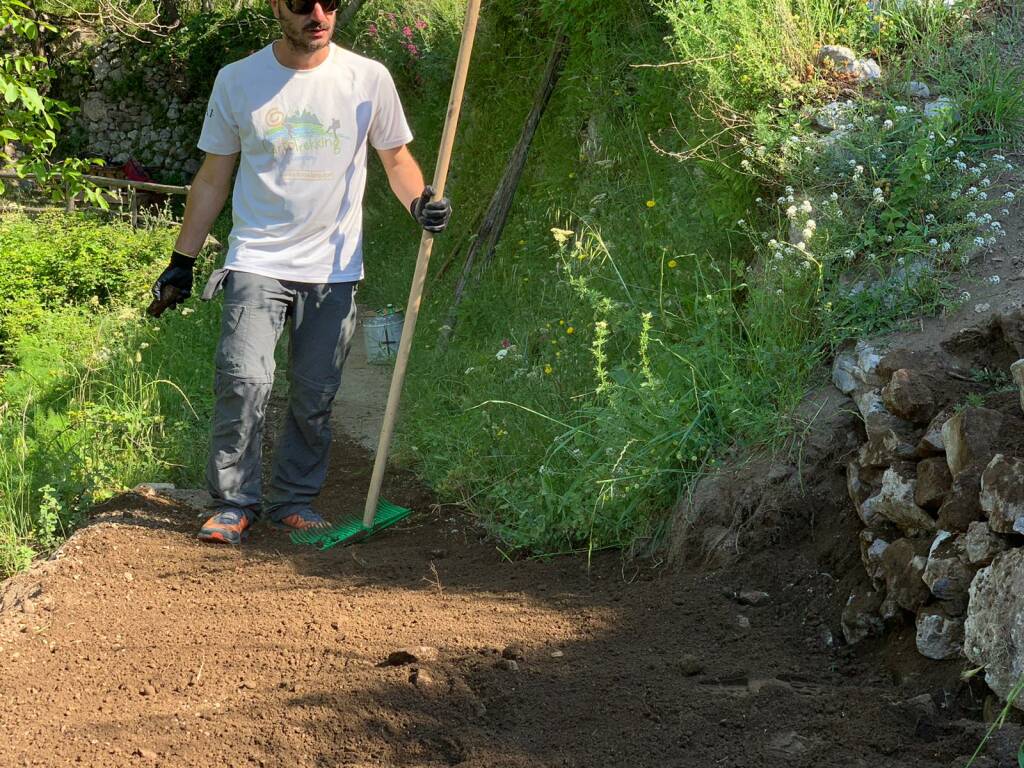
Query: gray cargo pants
(255, 312)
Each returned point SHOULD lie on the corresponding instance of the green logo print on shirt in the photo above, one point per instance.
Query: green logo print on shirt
(299, 139)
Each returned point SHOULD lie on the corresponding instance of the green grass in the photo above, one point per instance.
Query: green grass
(689, 334)
(95, 398)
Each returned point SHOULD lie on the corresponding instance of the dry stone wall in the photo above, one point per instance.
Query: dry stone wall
(126, 115)
(938, 486)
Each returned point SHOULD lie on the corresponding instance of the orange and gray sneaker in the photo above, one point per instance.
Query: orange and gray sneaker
(228, 526)
(299, 520)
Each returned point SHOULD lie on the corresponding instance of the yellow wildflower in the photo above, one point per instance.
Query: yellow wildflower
(651, 203)
(561, 235)
(672, 263)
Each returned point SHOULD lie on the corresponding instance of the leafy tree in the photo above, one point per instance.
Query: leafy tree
(29, 120)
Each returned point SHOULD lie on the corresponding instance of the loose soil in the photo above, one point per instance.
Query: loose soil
(139, 644)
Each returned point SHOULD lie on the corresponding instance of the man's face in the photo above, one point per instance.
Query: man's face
(305, 32)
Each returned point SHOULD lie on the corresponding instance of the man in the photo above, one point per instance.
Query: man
(300, 114)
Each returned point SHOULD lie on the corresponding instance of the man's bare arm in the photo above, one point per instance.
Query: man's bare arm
(406, 181)
(206, 198)
(404, 174)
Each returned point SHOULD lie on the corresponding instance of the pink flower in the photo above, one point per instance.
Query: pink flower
(505, 343)
(372, 29)
(421, 23)
(413, 50)
(407, 32)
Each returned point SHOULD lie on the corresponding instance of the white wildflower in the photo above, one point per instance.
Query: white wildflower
(887, 124)
(806, 206)
(1008, 196)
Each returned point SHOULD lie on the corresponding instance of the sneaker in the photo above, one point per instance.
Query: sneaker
(300, 520)
(228, 526)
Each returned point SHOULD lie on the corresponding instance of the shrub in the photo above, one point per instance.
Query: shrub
(55, 261)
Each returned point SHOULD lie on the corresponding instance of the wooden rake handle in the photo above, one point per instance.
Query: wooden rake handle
(412, 310)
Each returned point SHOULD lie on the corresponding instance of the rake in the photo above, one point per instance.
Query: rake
(378, 513)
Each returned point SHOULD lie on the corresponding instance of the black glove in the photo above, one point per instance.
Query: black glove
(432, 216)
(174, 284)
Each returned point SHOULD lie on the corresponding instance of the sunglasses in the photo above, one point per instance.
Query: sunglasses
(305, 7)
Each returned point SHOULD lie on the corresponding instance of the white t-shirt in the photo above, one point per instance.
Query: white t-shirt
(303, 138)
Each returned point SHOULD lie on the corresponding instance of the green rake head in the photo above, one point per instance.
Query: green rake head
(352, 530)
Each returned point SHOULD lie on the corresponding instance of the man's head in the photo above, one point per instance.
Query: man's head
(306, 25)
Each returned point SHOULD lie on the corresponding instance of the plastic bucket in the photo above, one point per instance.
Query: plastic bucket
(382, 335)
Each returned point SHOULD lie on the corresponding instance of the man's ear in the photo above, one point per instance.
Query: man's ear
(276, 9)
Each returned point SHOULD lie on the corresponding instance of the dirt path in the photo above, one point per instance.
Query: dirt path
(138, 645)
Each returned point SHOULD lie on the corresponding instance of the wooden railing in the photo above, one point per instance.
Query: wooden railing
(105, 182)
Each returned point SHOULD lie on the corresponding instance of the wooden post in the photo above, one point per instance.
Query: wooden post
(133, 207)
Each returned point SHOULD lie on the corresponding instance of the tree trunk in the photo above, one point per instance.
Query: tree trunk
(494, 221)
(346, 14)
(167, 13)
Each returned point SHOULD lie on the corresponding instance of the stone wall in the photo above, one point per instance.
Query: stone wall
(127, 116)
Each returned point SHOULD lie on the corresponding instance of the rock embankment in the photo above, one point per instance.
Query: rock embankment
(938, 486)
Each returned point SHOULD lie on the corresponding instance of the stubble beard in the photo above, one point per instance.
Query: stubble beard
(294, 35)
